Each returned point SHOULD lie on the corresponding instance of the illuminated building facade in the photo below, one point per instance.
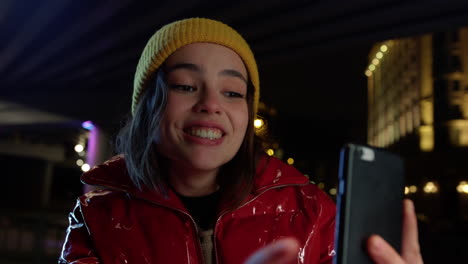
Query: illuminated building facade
(418, 106)
(418, 87)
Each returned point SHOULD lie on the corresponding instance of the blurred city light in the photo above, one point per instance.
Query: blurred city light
(85, 167)
(383, 48)
(332, 191)
(79, 148)
(290, 161)
(430, 187)
(87, 125)
(270, 152)
(379, 55)
(79, 162)
(462, 187)
(413, 189)
(258, 123)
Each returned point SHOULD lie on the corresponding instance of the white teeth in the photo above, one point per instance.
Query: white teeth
(209, 133)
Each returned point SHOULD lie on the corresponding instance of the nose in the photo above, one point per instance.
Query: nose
(208, 102)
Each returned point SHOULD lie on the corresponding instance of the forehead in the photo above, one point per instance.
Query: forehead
(208, 56)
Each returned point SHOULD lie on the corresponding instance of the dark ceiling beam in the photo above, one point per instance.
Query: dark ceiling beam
(245, 14)
(100, 12)
(126, 27)
(354, 22)
(316, 13)
(93, 70)
(399, 21)
(5, 8)
(34, 25)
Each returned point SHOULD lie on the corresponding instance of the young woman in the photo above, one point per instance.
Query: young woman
(191, 185)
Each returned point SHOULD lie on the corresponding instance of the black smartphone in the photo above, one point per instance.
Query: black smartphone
(369, 201)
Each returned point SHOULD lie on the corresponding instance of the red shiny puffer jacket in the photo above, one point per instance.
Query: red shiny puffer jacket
(123, 225)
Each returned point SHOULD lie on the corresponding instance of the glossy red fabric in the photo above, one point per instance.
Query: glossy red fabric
(123, 225)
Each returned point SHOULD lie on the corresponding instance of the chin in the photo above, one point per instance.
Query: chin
(207, 162)
(207, 165)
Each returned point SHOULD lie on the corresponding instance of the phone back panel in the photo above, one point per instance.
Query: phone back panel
(371, 189)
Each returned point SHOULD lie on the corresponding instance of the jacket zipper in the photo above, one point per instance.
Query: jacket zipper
(246, 203)
(197, 239)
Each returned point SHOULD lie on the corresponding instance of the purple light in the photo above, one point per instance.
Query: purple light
(93, 147)
(88, 125)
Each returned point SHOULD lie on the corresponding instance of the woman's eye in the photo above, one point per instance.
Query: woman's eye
(184, 88)
(234, 94)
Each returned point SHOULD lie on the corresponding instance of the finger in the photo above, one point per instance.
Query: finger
(279, 252)
(410, 250)
(381, 252)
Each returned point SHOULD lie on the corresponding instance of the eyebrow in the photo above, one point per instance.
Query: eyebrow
(233, 73)
(196, 68)
(188, 66)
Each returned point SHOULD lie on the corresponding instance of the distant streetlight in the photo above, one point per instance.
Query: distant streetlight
(462, 187)
(258, 123)
(430, 187)
(383, 48)
(79, 162)
(79, 148)
(85, 167)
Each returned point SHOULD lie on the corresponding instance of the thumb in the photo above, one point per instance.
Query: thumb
(279, 252)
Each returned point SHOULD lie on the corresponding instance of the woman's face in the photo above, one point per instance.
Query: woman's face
(206, 116)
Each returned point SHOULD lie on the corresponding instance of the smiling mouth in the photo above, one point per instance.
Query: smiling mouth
(204, 132)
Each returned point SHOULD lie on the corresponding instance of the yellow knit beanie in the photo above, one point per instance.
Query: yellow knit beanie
(183, 32)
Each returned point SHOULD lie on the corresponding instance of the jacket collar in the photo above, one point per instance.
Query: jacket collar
(270, 173)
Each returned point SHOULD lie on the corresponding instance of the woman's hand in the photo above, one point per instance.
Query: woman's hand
(279, 252)
(285, 250)
(382, 253)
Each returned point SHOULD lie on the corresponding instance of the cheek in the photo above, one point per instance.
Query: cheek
(175, 106)
(174, 102)
(172, 113)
